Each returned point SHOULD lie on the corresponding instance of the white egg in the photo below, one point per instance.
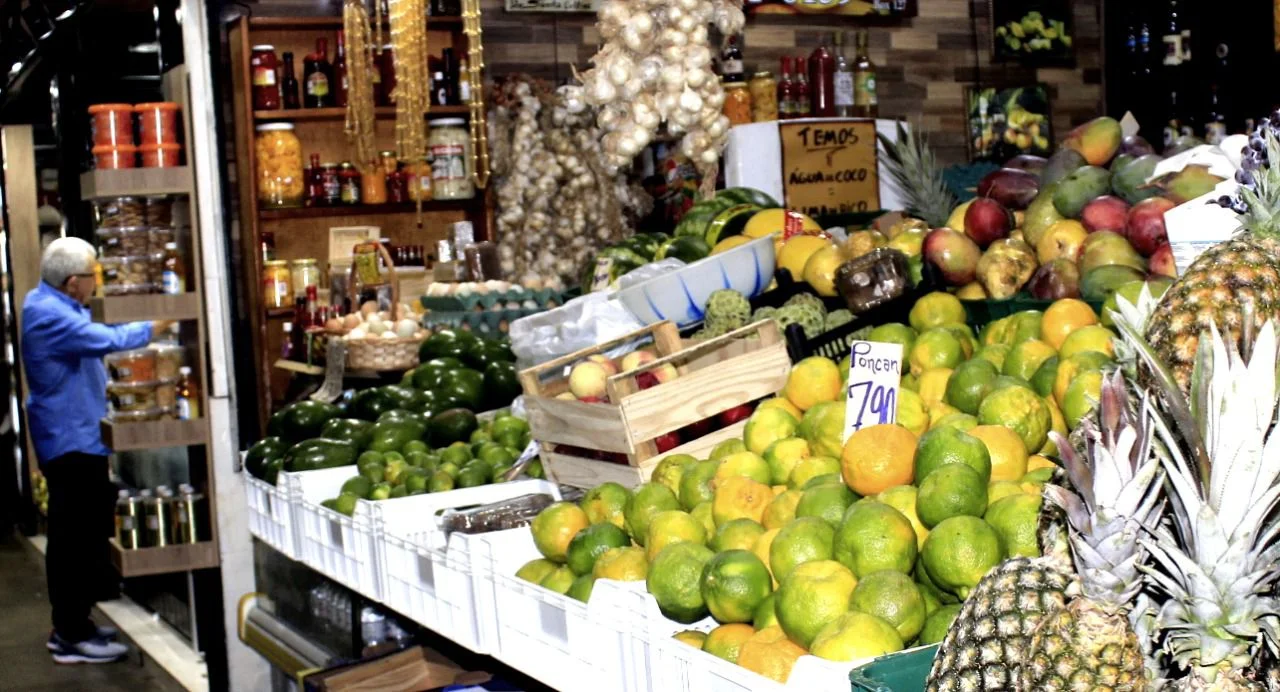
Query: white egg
(375, 324)
(369, 307)
(357, 333)
(388, 334)
(351, 321)
(406, 327)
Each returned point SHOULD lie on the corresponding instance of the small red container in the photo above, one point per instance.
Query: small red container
(157, 123)
(110, 158)
(112, 124)
(160, 155)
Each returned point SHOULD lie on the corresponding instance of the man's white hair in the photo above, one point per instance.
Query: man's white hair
(64, 258)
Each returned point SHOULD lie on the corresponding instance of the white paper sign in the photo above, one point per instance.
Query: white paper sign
(875, 371)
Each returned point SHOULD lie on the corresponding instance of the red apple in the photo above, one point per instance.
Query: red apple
(987, 221)
(1145, 226)
(697, 430)
(730, 416)
(1106, 213)
(667, 442)
(954, 254)
(613, 457)
(1161, 262)
(593, 400)
(1012, 187)
(646, 380)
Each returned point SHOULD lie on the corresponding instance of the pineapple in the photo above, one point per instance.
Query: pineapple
(1039, 623)
(1215, 288)
(1216, 560)
(914, 170)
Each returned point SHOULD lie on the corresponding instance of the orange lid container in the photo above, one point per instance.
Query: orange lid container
(112, 124)
(157, 122)
(160, 155)
(110, 158)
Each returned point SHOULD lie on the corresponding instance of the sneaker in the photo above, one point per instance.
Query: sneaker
(104, 632)
(88, 651)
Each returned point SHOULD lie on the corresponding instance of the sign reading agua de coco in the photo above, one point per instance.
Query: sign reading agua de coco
(830, 166)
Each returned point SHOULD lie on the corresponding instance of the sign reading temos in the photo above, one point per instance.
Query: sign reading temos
(830, 166)
(875, 371)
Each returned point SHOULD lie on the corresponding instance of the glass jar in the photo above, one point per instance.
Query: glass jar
(277, 291)
(279, 154)
(449, 145)
(764, 97)
(349, 184)
(373, 184)
(418, 180)
(262, 66)
(305, 273)
(330, 184)
(737, 103)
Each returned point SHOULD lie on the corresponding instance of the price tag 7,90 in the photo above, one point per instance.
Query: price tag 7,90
(875, 371)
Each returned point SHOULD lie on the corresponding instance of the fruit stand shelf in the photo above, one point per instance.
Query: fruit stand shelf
(365, 209)
(156, 434)
(125, 182)
(145, 307)
(382, 112)
(182, 557)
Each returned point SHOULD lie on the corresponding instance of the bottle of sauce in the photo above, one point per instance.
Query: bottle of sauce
(786, 91)
(865, 101)
(822, 67)
(315, 185)
(289, 86)
(262, 65)
(340, 73)
(188, 395)
(464, 83)
(349, 184)
(317, 77)
(373, 184)
(731, 62)
(173, 275)
(803, 106)
(842, 80)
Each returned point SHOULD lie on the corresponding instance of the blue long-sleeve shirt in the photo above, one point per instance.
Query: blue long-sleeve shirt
(62, 351)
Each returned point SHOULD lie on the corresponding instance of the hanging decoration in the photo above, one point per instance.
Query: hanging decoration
(360, 123)
(474, 76)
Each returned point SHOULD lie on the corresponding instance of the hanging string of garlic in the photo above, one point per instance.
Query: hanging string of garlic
(557, 199)
(359, 125)
(655, 68)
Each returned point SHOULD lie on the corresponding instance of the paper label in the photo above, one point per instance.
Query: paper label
(830, 166)
(875, 372)
(600, 276)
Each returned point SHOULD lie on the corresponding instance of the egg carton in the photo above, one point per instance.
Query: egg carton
(518, 298)
(488, 322)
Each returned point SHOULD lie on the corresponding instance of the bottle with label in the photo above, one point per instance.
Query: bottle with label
(865, 102)
(289, 85)
(349, 184)
(786, 91)
(158, 515)
(464, 83)
(1218, 120)
(340, 72)
(173, 275)
(188, 394)
(317, 77)
(802, 103)
(262, 66)
(842, 79)
(128, 521)
(145, 539)
(731, 67)
(822, 67)
(1172, 38)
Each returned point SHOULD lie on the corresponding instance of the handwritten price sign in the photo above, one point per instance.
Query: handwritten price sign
(875, 371)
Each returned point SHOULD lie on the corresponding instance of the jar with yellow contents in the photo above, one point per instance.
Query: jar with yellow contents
(764, 97)
(279, 164)
(737, 103)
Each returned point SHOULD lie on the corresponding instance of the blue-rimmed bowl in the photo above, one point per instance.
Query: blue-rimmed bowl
(681, 296)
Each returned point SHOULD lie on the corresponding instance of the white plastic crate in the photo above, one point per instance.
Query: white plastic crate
(271, 515)
(337, 546)
(407, 531)
(545, 634)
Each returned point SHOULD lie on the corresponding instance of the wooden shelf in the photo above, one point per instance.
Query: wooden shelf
(125, 182)
(367, 209)
(182, 557)
(155, 434)
(334, 23)
(280, 313)
(325, 114)
(145, 307)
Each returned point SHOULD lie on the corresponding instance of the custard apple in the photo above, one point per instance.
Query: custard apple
(764, 313)
(809, 319)
(836, 318)
(807, 299)
(728, 310)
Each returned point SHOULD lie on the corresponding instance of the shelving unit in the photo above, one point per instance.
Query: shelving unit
(188, 309)
(303, 232)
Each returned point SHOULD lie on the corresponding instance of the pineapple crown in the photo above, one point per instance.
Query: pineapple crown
(914, 170)
(1117, 478)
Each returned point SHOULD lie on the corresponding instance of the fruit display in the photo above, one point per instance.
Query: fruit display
(1033, 34)
(1087, 222)
(728, 310)
(388, 470)
(459, 373)
(793, 541)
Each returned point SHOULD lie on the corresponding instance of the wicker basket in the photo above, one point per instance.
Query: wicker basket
(377, 353)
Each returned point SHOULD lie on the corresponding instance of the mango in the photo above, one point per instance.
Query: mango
(1109, 248)
(1097, 140)
(1080, 187)
(1005, 268)
(1187, 184)
(1129, 182)
(1040, 215)
(1012, 188)
(1100, 283)
(1060, 165)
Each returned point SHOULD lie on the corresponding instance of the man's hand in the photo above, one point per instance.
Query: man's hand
(159, 327)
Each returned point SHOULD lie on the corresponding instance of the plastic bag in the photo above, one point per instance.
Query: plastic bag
(582, 322)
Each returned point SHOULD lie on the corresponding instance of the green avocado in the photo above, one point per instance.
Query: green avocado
(320, 453)
(454, 425)
(404, 397)
(359, 432)
(392, 436)
(440, 344)
(466, 385)
(368, 404)
(262, 452)
(272, 470)
(304, 420)
(501, 385)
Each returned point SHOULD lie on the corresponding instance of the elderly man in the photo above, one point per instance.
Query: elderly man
(62, 352)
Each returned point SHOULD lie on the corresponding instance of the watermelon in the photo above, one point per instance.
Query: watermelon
(748, 195)
(729, 222)
(695, 220)
(687, 248)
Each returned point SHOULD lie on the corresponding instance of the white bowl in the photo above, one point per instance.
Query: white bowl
(681, 296)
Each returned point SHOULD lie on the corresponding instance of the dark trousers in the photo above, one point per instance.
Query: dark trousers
(78, 559)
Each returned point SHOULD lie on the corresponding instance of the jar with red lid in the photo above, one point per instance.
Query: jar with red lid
(160, 155)
(266, 86)
(110, 158)
(112, 124)
(157, 123)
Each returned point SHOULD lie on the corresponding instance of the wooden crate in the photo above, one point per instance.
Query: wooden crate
(714, 375)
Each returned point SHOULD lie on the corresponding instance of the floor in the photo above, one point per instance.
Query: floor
(24, 628)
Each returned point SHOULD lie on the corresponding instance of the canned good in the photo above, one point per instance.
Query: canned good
(764, 97)
(187, 509)
(737, 103)
(277, 291)
(128, 521)
(158, 513)
(305, 273)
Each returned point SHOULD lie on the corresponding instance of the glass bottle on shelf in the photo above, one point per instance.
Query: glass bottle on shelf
(286, 347)
(801, 101)
(821, 81)
(786, 91)
(317, 76)
(289, 85)
(265, 89)
(188, 395)
(173, 276)
(267, 239)
(340, 72)
(842, 79)
(731, 68)
(866, 104)
(463, 81)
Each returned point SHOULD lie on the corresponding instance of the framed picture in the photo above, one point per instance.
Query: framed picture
(552, 5)
(1004, 123)
(1032, 32)
(848, 8)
